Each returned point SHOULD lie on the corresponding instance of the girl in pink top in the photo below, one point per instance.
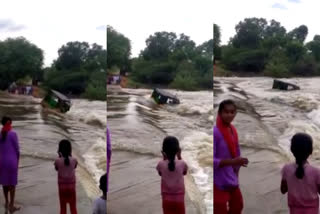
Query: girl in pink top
(66, 165)
(300, 179)
(172, 171)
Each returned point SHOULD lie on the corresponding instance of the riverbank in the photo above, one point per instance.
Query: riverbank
(127, 82)
(37, 190)
(134, 185)
(219, 71)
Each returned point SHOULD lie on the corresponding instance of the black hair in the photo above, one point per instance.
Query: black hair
(4, 120)
(223, 104)
(65, 150)
(103, 183)
(171, 147)
(301, 147)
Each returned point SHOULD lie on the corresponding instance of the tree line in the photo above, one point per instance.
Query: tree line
(168, 60)
(79, 69)
(267, 48)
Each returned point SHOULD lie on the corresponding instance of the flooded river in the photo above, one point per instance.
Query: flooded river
(138, 125)
(266, 122)
(40, 132)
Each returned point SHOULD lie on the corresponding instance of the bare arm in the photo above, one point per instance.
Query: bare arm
(227, 162)
(185, 169)
(239, 161)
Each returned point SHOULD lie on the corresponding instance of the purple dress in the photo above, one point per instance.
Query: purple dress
(9, 159)
(108, 155)
(224, 177)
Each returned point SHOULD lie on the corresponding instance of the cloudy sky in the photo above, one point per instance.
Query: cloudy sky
(50, 24)
(290, 13)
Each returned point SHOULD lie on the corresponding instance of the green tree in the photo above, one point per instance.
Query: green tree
(279, 65)
(184, 48)
(186, 78)
(314, 47)
(274, 36)
(216, 43)
(206, 49)
(118, 50)
(96, 88)
(249, 33)
(295, 51)
(159, 46)
(19, 58)
(72, 55)
(306, 66)
(76, 69)
(300, 33)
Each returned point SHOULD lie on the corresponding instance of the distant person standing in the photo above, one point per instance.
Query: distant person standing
(9, 163)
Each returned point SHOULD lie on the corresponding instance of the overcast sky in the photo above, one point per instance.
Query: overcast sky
(50, 24)
(290, 13)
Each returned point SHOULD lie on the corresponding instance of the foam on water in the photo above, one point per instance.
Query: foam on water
(81, 110)
(95, 158)
(144, 125)
(95, 155)
(283, 112)
(40, 131)
(198, 150)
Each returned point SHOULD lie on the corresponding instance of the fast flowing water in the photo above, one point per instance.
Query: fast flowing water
(40, 131)
(139, 125)
(266, 122)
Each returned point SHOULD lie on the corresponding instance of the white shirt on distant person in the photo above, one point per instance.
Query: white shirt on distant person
(100, 206)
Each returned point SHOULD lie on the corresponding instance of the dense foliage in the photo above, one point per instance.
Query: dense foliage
(267, 48)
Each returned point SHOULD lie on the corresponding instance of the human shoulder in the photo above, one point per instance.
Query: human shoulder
(182, 162)
(288, 166)
(12, 133)
(74, 159)
(314, 169)
(98, 205)
(216, 133)
(57, 162)
(58, 159)
(162, 163)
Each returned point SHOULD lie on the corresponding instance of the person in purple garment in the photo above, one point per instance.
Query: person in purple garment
(9, 163)
(227, 162)
(108, 155)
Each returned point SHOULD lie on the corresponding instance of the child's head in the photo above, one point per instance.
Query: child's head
(103, 183)
(65, 150)
(227, 111)
(5, 120)
(301, 148)
(170, 148)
